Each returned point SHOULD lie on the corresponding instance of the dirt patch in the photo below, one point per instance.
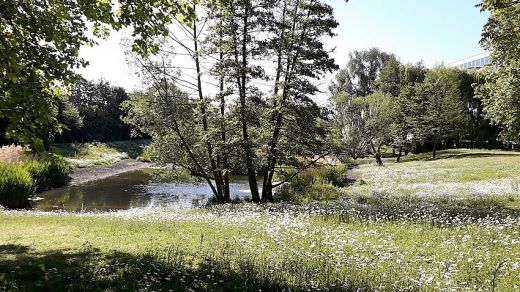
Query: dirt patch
(81, 175)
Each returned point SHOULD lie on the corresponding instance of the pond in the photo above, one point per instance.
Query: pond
(137, 189)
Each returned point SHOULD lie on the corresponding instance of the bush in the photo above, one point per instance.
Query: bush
(49, 172)
(314, 184)
(19, 181)
(16, 185)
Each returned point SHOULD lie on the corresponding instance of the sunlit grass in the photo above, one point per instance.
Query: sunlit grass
(254, 247)
(450, 224)
(457, 176)
(99, 154)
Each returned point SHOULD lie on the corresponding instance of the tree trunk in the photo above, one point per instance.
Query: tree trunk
(399, 154)
(377, 154)
(378, 159)
(267, 190)
(241, 83)
(214, 168)
(224, 153)
(434, 150)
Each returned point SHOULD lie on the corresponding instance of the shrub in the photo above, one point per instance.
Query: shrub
(16, 185)
(19, 181)
(314, 184)
(49, 172)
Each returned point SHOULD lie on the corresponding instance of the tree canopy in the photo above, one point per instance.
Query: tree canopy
(40, 40)
(500, 93)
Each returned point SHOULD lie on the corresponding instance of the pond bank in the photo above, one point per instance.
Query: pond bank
(86, 174)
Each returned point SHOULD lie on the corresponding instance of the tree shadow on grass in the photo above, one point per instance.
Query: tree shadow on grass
(450, 154)
(22, 268)
(381, 206)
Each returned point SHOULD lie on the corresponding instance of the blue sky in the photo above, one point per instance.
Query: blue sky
(434, 31)
(431, 30)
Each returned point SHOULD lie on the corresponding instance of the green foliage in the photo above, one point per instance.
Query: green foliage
(500, 93)
(92, 113)
(40, 41)
(313, 185)
(362, 72)
(48, 172)
(442, 110)
(18, 181)
(171, 121)
(366, 124)
(500, 96)
(16, 185)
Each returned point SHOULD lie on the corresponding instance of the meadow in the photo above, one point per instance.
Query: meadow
(99, 154)
(473, 178)
(365, 240)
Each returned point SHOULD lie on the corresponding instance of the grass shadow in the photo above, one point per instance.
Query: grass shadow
(439, 213)
(457, 154)
(13, 249)
(22, 268)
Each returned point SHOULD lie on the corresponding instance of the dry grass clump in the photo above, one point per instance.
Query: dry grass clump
(13, 154)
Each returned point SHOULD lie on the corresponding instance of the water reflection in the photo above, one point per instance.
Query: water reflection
(132, 190)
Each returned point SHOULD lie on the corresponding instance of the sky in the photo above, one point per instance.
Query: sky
(432, 31)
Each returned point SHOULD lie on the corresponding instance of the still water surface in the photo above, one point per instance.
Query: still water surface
(137, 189)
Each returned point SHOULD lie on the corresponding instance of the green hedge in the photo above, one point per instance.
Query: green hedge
(19, 181)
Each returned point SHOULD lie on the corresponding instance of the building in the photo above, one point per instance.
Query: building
(474, 62)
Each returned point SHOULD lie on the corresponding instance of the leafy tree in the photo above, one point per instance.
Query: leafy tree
(443, 112)
(390, 77)
(380, 122)
(408, 108)
(479, 129)
(40, 40)
(349, 125)
(362, 72)
(367, 123)
(366, 72)
(92, 113)
(71, 121)
(500, 94)
(259, 127)
(301, 59)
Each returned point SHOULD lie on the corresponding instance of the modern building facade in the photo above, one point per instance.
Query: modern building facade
(474, 62)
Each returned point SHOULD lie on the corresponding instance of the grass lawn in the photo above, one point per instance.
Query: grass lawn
(365, 241)
(99, 154)
(475, 178)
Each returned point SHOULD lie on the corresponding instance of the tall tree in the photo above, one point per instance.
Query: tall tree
(443, 112)
(366, 72)
(180, 60)
(362, 71)
(98, 110)
(500, 94)
(300, 58)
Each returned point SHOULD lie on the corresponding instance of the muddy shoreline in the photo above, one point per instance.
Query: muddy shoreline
(82, 175)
